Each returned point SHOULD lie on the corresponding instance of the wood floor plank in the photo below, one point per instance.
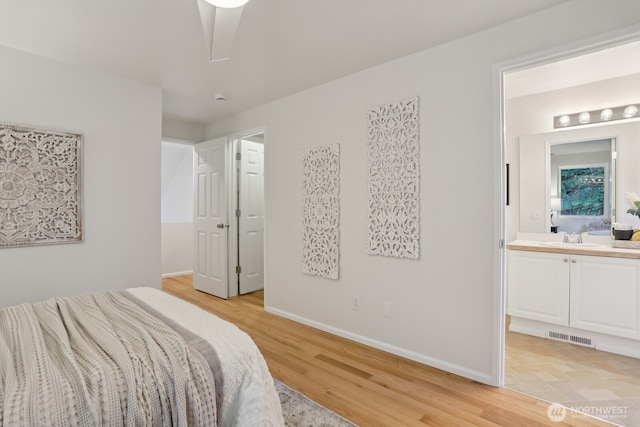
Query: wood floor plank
(365, 385)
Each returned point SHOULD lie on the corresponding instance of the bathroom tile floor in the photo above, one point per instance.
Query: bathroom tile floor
(601, 384)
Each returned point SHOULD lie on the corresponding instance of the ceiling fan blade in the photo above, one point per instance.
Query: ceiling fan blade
(224, 32)
(207, 16)
(220, 26)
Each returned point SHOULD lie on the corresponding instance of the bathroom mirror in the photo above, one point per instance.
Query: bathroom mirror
(581, 177)
(583, 151)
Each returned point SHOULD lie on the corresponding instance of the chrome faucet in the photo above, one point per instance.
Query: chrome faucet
(572, 238)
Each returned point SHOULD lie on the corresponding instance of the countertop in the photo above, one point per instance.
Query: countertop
(573, 248)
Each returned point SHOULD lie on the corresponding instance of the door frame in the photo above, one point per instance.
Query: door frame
(232, 139)
(581, 47)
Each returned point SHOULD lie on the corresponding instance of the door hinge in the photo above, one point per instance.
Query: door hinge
(238, 156)
(501, 243)
(238, 269)
(238, 213)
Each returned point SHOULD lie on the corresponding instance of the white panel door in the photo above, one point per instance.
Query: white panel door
(251, 220)
(210, 272)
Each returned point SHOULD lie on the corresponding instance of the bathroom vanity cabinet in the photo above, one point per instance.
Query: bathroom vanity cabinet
(538, 286)
(591, 299)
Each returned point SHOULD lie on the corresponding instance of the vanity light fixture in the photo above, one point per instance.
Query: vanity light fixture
(596, 116)
(227, 4)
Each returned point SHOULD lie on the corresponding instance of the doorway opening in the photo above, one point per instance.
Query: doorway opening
(229, 215)
(558, 365)
(176, 208)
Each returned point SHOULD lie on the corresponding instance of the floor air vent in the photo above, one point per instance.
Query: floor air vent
(581, 340)
(558, 336)
(574, 339)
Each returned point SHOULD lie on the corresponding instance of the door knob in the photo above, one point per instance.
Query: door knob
(221, 225)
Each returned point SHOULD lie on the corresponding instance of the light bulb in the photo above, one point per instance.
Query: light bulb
(630, 111)
(606, 114)
(564, 120)
(584, 118)
(227, 4)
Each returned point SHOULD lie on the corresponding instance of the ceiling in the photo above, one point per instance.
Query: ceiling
(281, 47)
(619, 61)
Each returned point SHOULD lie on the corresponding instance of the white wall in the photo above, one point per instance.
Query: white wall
(445, 305)
(177, 209)
(532, 115)
(177, 183)
(121, 123)
(177, 249)
(179, 129)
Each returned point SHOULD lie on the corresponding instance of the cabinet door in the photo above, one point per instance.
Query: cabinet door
(538, 286)
(605, 295)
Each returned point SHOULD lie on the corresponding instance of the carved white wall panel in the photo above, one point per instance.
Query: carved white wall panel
(40, 188)
(394, 179)
(321, 211)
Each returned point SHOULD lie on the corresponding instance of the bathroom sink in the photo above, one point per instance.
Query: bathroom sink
(570, 245)
(606, 232)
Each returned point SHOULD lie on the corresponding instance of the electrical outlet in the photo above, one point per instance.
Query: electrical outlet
(356, 303)
(387, 309)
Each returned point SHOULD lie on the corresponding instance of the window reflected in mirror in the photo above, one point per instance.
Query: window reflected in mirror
(583, 190)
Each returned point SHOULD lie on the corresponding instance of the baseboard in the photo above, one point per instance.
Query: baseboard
(408, 354)
(524, 330)
(604, 342)
(178, 273)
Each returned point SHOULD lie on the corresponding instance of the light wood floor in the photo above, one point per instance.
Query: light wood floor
(365, 385)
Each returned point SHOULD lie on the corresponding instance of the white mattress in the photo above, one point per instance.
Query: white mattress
(249, 396)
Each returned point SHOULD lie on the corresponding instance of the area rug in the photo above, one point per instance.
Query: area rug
(300, 411)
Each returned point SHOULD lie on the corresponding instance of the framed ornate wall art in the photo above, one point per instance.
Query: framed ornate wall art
(321, 211)
(40, 186)
(394, 179)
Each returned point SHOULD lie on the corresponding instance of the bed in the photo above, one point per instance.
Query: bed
(133, 357)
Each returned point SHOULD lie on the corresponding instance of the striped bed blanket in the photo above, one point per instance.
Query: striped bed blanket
(100, 359)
